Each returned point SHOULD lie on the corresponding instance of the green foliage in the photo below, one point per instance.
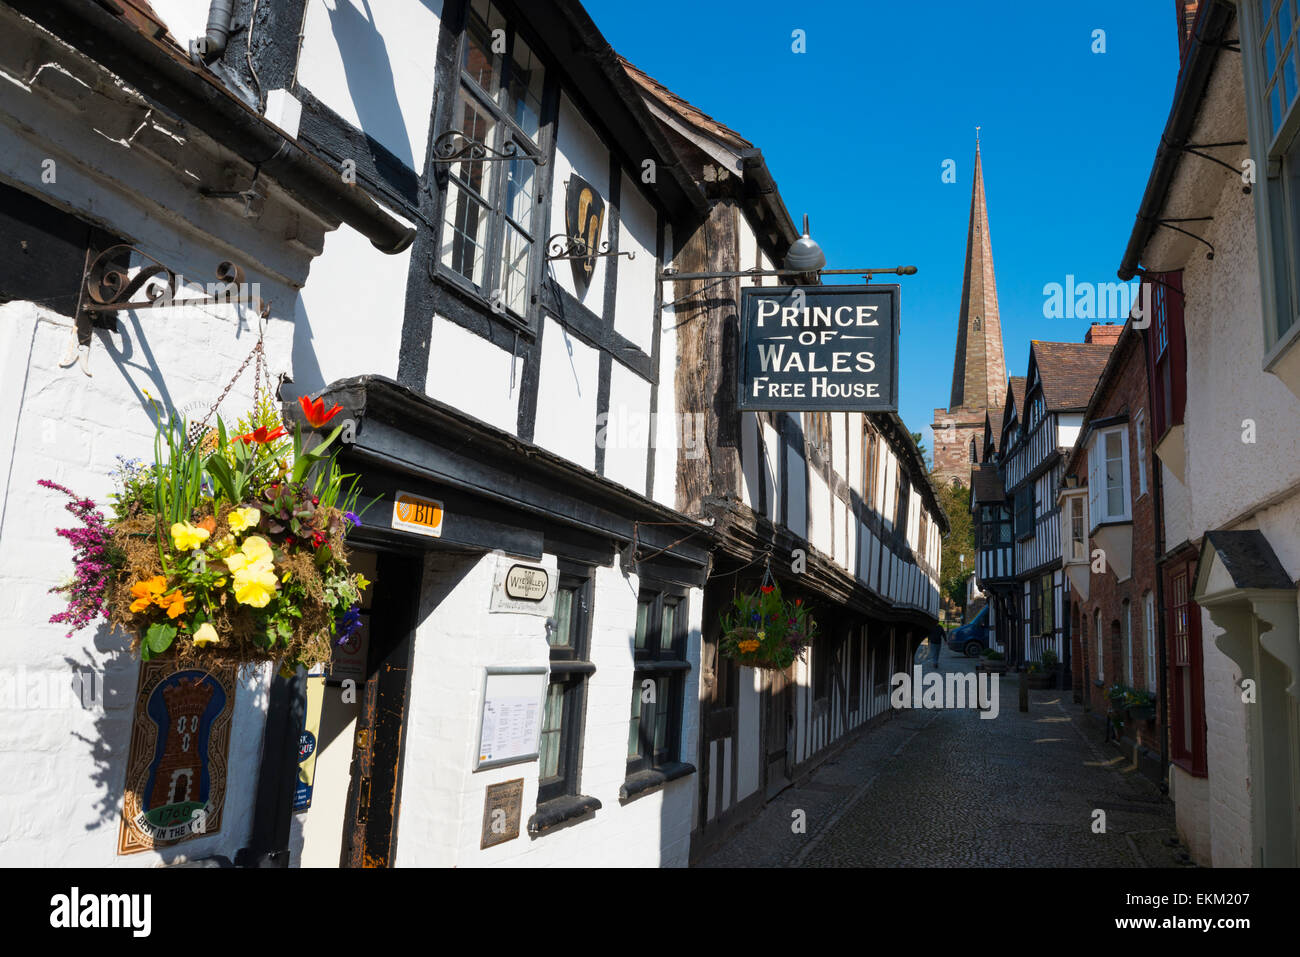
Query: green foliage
(1050, 660)
(960, 540)
(766, 631)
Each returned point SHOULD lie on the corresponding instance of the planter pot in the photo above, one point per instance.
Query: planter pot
(1040, 682)
(992, 667)
(1146, 712)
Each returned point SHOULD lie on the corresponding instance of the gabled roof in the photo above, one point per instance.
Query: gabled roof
(688, 112)
(1068, 372)
(986, 486)
(1016, 393)
(993, 427)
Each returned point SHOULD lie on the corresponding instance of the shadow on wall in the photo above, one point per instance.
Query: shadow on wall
(369, 74)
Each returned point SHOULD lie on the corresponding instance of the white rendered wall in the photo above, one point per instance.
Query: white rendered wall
(372, 63)
(470, 373)
(566, 396)
(627, 434)
(578, 149)
(634, 294)
(442, 797)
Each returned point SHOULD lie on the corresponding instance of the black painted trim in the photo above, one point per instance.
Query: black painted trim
(561, 810)
(651, 779)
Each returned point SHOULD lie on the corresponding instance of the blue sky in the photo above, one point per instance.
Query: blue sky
(856, 129)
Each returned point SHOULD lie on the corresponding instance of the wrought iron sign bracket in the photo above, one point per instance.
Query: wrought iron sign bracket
(671, 275)
(107, 288)
(561, 246)
(1169, 224)
(446, 150)
(1196, 148)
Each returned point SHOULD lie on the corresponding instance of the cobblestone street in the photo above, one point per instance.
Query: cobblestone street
(947, 789)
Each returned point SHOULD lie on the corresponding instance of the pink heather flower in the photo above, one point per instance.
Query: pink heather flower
(87, 591)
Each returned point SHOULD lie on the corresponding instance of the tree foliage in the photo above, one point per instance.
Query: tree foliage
(960, 541)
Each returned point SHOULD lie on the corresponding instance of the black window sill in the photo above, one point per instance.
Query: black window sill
(551, 814)
(645, 782)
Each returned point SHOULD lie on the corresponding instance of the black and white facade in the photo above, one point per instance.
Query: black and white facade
(460, 213)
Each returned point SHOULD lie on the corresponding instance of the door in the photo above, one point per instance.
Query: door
(778, 721)
(370, 822)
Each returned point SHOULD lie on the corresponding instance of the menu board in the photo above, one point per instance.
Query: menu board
(511, 717)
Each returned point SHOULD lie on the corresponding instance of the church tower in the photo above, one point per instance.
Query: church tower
(979, 373)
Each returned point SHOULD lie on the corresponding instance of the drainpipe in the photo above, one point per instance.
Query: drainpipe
(193, 94)
(212, 44)
(1158, 503)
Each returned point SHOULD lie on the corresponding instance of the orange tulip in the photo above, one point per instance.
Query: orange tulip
(315, 411)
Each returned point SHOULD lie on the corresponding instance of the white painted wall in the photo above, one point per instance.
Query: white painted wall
(627, 433)
(566, 396)
(634, 294)
(372, 63)
(470, 373)
(442, 797)
(579, 150)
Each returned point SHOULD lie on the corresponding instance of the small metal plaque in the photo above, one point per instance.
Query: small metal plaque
(502, 808)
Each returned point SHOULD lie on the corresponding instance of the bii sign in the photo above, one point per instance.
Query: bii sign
(832, 348)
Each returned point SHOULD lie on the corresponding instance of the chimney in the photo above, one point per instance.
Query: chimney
(1103, 335)
(1187, 10)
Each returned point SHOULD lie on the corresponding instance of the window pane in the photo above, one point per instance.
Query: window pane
(642, 623)
(520, 177)
(526, 81)
(514, 270)
(661, 726)
(552, 721)
(477, 125)
(1283, 31)
(1288, 77)
(634, 726)
(561, 634)
(464, 234)
(668, 630)
(482, 65)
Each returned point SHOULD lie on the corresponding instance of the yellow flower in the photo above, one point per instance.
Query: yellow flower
(242, 519)
(747, 646)
(224, 545)
(255, 585)
(186, 536)
(255, 551)
(206, 635)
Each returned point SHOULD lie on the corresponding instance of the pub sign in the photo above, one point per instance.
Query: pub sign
(819, 348)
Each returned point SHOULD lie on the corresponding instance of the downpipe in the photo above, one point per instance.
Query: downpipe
(212, 44)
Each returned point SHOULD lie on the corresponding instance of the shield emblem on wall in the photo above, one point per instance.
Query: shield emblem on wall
(584, 215)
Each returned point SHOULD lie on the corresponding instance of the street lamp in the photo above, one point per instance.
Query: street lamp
(804, 255)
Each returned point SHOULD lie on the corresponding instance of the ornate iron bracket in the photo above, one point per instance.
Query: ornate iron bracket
(1195, 150)
(446, 150)
(109, 290)
(1168, 224)
(561, 246)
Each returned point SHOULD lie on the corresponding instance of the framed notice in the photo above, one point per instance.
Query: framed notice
(819, 348)
(510, 717)
(523, 588)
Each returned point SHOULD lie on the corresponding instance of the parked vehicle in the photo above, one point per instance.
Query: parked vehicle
(972, 638)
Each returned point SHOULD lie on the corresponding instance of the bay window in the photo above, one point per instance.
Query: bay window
(1108, 477)
(491, 223)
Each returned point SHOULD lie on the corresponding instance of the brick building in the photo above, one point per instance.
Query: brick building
(979, 374)
(1108, 523)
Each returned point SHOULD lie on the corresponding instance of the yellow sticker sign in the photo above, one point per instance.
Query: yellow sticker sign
(416, 514)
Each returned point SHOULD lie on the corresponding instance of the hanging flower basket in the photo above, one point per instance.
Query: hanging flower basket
(229, 547)
(763, 630)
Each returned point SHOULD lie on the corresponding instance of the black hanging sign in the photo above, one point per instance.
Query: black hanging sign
(819, 348)
(584, 215)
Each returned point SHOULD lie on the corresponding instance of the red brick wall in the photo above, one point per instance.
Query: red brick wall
(1124, 391)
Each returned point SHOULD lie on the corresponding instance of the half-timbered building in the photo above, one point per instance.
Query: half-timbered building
(461, 214)
(1037, 428)
(837, 507)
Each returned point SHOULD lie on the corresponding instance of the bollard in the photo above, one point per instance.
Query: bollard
(1024, 691)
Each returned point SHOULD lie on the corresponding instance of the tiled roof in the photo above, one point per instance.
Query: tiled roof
(995, 426)
(1069, 371)
(986, 485)
(690, 114)
(1016, 386)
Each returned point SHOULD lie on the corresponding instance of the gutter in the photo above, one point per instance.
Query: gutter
(755, 171)
(1203, 50)
(200, 99)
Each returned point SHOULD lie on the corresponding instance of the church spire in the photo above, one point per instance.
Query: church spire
(979, 375)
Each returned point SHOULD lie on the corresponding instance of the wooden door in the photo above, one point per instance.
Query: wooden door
(778, 718)
(370, 830)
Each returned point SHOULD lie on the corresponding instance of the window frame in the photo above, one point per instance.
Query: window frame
(464, 87)
(1276, 157)
(1140, 450)
(1187, 742)
(571, 667)
(1099, 512)
(668, 665)
(1099, 634)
